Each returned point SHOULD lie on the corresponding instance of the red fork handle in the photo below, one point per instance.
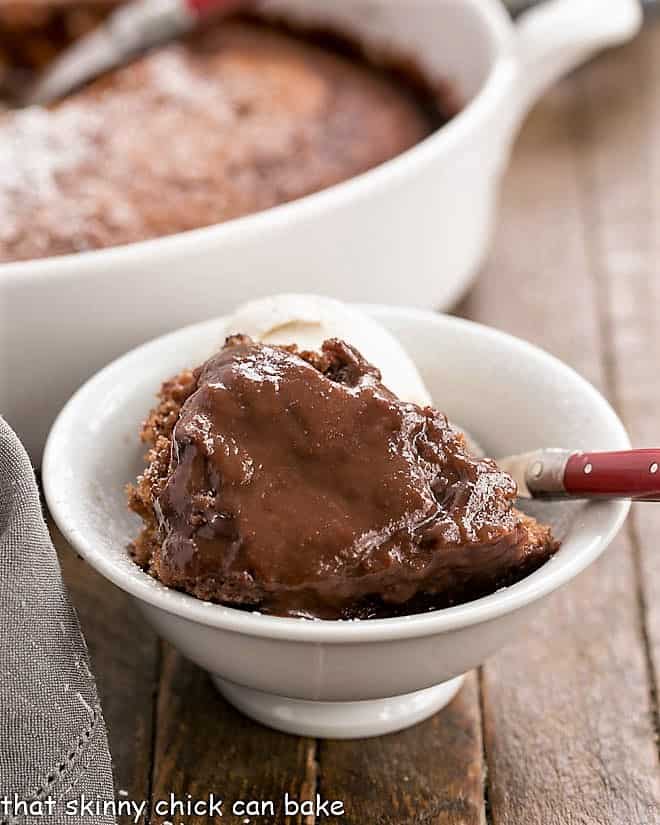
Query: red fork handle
(633, 474)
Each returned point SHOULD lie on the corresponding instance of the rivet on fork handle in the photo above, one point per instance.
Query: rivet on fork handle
(545, 473)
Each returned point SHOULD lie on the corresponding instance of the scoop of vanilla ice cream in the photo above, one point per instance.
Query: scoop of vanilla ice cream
(309, 320)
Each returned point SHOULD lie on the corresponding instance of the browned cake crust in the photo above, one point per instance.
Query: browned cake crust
(237, 119)
(507, 547)
(34, 32)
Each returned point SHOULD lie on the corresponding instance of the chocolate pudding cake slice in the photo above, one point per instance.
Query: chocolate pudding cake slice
(296, 484)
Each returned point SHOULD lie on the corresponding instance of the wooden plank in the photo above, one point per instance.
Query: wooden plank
(621, 159)
(432, 773)
(567, 718)
(124, 654)
(203, 745)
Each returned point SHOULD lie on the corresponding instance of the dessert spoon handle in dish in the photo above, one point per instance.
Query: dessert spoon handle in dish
(131, 29)
(570, 474)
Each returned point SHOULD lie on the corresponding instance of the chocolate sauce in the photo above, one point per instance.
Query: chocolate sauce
(299, 485)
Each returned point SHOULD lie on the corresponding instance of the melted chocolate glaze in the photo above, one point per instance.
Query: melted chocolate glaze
(299, 485)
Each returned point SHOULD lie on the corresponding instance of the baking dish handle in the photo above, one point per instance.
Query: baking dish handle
(559, 35)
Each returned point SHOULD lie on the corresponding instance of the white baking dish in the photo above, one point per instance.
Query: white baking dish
(412, 231)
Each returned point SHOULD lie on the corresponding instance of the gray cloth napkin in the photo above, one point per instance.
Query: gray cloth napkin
(53, 743)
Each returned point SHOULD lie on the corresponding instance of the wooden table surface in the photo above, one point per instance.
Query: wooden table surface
(561, 727)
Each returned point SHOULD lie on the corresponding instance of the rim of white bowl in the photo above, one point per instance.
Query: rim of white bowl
(501, 77)
(57, 467)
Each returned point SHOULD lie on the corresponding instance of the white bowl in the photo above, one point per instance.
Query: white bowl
(322, 678)
(412, 231)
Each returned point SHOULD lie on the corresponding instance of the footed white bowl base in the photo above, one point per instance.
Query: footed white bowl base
(339, 720)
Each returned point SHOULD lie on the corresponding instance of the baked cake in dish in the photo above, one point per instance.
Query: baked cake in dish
(238, 118)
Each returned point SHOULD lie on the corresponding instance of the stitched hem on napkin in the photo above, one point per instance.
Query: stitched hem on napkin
(61, 771)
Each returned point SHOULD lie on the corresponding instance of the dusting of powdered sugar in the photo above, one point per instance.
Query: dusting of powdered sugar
(171, 75)
(54, 142)
(38, 150)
